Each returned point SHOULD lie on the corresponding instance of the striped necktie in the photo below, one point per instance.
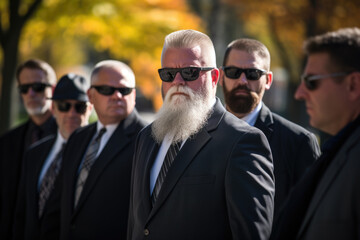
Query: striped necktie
(88, 162)
(47, 183)
(168, 160)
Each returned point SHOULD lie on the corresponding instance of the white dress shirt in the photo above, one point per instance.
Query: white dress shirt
(252, 116)
(50, 158)
(165, 144)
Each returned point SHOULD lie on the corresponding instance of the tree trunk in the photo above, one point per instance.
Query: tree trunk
(10, 50)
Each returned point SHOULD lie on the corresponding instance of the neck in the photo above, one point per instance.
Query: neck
(41, 119)
(238, 115)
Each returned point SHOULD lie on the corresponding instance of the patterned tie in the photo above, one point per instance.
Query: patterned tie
(88, 162)
(47, 183)
(169, 159)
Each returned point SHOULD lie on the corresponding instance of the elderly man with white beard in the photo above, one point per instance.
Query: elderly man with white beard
(198, 171)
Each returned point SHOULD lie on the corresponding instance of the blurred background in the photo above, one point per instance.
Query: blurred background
(73, 35)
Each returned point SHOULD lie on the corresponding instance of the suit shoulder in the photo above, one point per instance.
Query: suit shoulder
(139, 123)
(239, 125)
(289, 127)
(15, 132)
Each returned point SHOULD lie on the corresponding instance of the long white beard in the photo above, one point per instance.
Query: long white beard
(182, 116)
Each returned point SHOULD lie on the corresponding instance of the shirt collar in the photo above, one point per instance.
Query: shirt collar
(252, 116)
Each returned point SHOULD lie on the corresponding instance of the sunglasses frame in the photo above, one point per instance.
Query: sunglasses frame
(173, 71)
(245, 71)
(36, 87)
(101, 88)
(311, 81)
(80, 107)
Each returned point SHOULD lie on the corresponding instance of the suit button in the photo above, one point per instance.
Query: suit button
(146, 232)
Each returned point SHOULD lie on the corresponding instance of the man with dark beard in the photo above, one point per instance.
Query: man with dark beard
(198, 171)
(245, 76)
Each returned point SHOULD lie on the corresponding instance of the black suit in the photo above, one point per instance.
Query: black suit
(102, 210)
(220, 185)
(293, 148)
(12, 145)
(325, 204)
(27, 223)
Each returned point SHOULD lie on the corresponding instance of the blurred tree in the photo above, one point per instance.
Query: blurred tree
(283, 25)
(71, 33)
(13, 18)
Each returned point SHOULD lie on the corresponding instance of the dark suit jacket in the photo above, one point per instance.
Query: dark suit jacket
(102, 210)
(334, 210)
(220, 185)
(12, 146)
(27, 223)
(293, 149)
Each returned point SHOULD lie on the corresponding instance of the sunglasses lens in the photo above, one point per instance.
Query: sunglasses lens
(311, 85)
(63, 106)
(232, 72)
(24, 88)
(80, 107)
(38, 87)
(253, 74)
(108, 90)
(235, 73)
(105, 90)
(167, 75)
(190, 73)
(125, 91)
(187, 73)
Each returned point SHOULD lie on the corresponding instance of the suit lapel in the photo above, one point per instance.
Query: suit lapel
(329, 176)
(36, 165)
(265, 121)
(117, 142)
(76, 158)
(187, 153)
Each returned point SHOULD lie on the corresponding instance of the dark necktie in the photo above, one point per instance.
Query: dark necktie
(47, 183)
(35, 134)
(168, 160)
(88, 162)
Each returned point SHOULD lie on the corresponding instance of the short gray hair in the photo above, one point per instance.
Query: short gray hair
(125, 69)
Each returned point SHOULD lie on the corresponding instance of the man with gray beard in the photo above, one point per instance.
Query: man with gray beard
(198, 172)
(35, 81)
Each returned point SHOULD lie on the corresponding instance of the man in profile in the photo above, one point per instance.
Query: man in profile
(325, 204)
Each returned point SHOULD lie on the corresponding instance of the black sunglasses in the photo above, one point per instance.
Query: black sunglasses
(187, 73)
(63, 106)
(36, 87)
(108, 90)
(312, 83)
(251, 74)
